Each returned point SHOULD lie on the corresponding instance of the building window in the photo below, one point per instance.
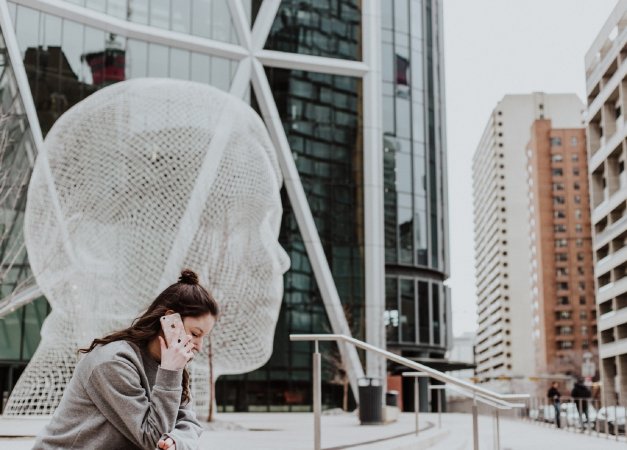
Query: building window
(561, 242)
(583, 315)
(423, 312)
(563, 300)
(390, 315)
(565, 330)
(557, 172)
(578, 214)
(577, 198)
(561, 271)
(576, 171)
(574, 141)
(579, 242)
(578, 228)
(584, 330)
(559, 214)
(408, 311)
(558, 186)
(582, 300)
(556, 142)
(563, 315)
(562, 286)
(557, 158)
(558, 200)
(576, 185)
(579, 256)
(564, 345)
(561, 256)
(575, 157)
(560, 228)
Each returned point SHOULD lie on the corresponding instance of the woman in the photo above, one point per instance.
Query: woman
(131, 390)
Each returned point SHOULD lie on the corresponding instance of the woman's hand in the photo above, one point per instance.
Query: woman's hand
(166, 443)
(177, 355)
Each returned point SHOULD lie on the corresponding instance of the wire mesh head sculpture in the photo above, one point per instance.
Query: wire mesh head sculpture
(137, 181)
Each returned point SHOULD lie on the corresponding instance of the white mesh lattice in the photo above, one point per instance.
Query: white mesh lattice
(153, 175)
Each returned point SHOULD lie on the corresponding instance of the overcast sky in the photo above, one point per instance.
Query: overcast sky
(494, 48)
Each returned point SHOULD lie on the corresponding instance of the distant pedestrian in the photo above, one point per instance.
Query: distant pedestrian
(580, 395)
(554, 396)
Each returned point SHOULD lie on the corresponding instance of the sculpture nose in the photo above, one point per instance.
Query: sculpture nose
(283, 258)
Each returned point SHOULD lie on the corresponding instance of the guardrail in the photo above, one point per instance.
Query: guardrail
(478, 393)
(580, 415)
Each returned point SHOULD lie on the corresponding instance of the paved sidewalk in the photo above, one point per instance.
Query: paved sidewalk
(279, 431)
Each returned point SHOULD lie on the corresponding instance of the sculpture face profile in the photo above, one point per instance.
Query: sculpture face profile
(137, 181)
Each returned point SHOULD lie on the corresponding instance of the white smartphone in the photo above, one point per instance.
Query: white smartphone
(173, 329)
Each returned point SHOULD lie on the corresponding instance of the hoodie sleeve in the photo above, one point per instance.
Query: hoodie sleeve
(114, 387)
(187, 430)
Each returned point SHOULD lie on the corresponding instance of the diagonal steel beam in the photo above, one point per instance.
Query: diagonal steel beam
(263, 23)
(306, 224)
(241, 79)
(240, 22)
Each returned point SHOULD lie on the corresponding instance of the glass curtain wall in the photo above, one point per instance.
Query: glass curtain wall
(66, 61)
(322, 117)
(413, 166)
(19, 330)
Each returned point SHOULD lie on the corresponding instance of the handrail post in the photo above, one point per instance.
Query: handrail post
(498, 431)
(317, 397)
(416, 401)
(475, 424)
(616, 420)
(439, 402)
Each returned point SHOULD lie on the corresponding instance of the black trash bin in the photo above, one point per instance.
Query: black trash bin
(391, 398)
(370, 401)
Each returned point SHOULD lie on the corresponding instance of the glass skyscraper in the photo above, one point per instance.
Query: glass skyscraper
(70, 52)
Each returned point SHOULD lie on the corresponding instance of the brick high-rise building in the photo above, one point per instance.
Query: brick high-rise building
(563, 308)
(504, 356)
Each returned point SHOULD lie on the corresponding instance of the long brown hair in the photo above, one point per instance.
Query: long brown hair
(186, 297)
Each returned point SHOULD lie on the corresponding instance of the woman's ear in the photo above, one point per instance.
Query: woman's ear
(168, 312)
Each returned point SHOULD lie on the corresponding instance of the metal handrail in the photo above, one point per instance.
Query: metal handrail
(485, 401)
(441, 376)
(478, 392)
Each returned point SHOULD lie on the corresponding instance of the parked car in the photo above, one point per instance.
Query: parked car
(615, 417)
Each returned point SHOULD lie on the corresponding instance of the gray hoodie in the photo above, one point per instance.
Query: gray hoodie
(120, 398)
